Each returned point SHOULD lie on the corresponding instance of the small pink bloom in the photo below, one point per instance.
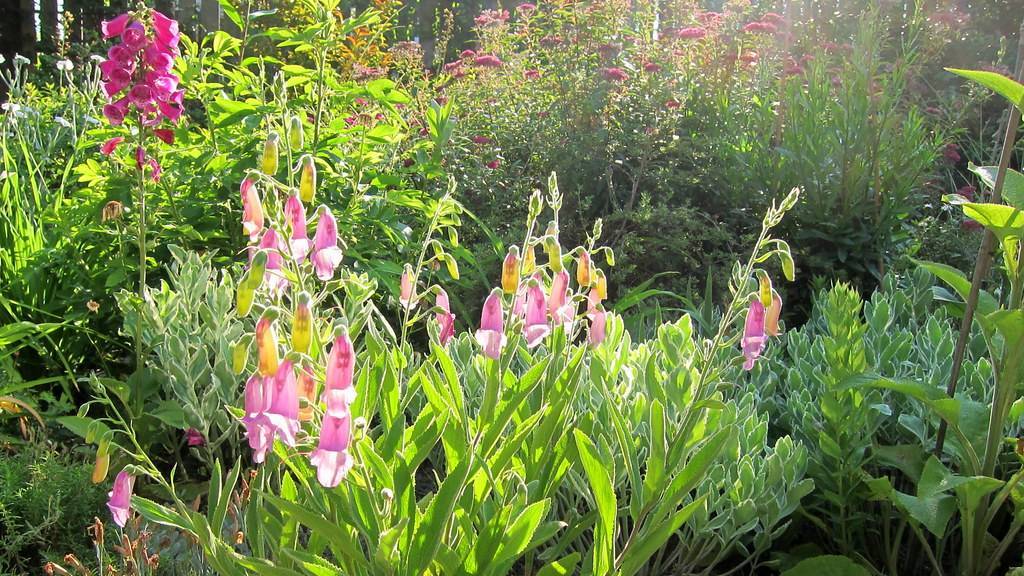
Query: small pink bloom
(252, 210)
(491, 335)
(481, 140)
(194, 437)
(652, 67)
(967, 191)
(536, 327)
(445, 318)
(760, 28)
(488, 61)
(951, 153)
(614, 74)
(753, 333)
(559, 306)
(283, 413)
(115, 27)
(526, 8)
(258, 430)
(331, 456)
(692, 33)
(494, 164)
(109, 146)
(164, 134)
(341, 365)
(326, 254)
(598, 324)
(531, 74)
(407, 287)
(134, 36)
(969, 225)
(467, 54)
(672, 104)
(120, 498)
(165, 29)
(295, 213)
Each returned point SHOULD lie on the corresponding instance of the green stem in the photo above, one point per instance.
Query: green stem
(141, 191)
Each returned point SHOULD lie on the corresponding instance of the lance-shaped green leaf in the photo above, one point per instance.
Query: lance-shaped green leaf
(1006, 87)
(600, 476)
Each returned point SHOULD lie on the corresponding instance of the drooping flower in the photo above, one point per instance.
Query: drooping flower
(274, 247)
(258, 429)
(283, 413)
(252, 210)
(165, 29)
(510, 270)
(491, 335)
(559, 306)
(326, 254)
(583, 266)
(266, 346)
(341, 365)
(407, 288)
(302, 324)
(307, 179)
(307, 390)
(445, 318)
(295, 213)
(269, 161)
(120, 498)
(536, 327)
(114, 27)
(331, 456)
(598, 324)
(109, 146)
(771, 318)
(194, 437)
(753, 333)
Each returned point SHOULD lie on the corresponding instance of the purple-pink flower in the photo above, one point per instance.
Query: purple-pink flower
(194, 437)
(331, 456)
(487, 61)
(326, 254)
(258, 430)
(295, 213)
(109, 146)
(445, 318)
(614, 74)
(252, 209)
(283, 412)
(559, 306)
(536, 327)
(491, 335)
(753, 334)
(692, 33)
(120, 498)
(341, 365)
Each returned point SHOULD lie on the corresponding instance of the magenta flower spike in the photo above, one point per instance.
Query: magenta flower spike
(559, 306)
(259, 431)
(445, 318)
(491, 334)
(166, 30)
(252, 210)
(331, 456)
(753, 334)
(299, 243)
(283, 413)
(536, 327)
(341, 363)
(115, 27)
(120, 502)
(326, 254)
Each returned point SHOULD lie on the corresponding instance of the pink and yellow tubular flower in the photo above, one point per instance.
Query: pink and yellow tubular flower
(302, 324)
(331, 456)
(252, 210)
(559, 306)
(753, 333)
(258, 429)
(407, 288)
(266, 345)
(326, 254)
(341, 364)
(598, 325)
(536, 327)
(445, 318)
(771, 318)
(120, 498)
(491, 334)
(510, 271)
(295, 213)
(283, 413)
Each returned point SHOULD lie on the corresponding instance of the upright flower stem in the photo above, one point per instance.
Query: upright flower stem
(140, 172)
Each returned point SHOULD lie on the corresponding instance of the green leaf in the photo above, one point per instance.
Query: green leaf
(232, 13)
(1004, 221)
(440, 511)
(933, 512)
(562, 566)
(337, 536)
(1005, 87)
(170, 413)
(958, 281)
(830, 565)
(600, 476)
(160, 514)
(1013, 184)
(519, 534)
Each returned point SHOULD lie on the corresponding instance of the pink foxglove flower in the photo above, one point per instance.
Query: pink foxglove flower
(598, 325)
(120, 503)
(753, 334)
(276, 280)
(331, 456)
(194, 437)
(559, 306)
(299, 243)
(445, 318)
(259, 431)
(491, 334)
(109, 146)
(252, 210)
(771, 318)
(115, 27)
(536, 327)
(341, 364)
(326, 254)
(407, 288)
(283, 413)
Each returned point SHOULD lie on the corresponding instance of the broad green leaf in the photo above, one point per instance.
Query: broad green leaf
(1013, 184)
(600, 476)
(634, 558)
(959, 282)
(562, 566)
(827, 565)
(933, 512)
(426, 541)
(1002, 220)
(998, 83)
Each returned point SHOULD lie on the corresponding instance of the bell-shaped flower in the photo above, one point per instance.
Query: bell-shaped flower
(270, 154)
(536, 327)
(529, 260)
(491, 334)
(559, 306)
(115, 27)
(307, 391)
(302, 324)
(274, 246)
(166, 30)
(445, 318)
(307, 178)
(510, 271)
(771, 317)
(252, 210)
(753, 333)
(583, 266)
(598, 325)
(341, 365)
(331, 456)
(120, 498)
(258, 429)
(110, 145)
(266, 345)
(283, 413)
(407, 287)
(601, 284)
(295, 213)
(326, 254)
